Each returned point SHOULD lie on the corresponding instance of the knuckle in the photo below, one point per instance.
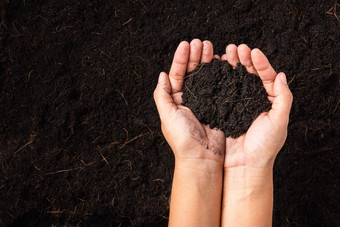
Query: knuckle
(177, 76)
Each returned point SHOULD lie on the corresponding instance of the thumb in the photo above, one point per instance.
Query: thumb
(162, 95)
(283, 99)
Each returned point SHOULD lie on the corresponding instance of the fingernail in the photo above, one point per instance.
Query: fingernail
(161, 78)
(283, 78)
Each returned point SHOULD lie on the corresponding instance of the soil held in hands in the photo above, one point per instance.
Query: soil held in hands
(225, 98)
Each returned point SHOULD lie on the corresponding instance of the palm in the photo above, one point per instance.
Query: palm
(194, 137)
(254, 148)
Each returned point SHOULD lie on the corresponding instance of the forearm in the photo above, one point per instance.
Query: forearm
(196, 194)
(247, 196)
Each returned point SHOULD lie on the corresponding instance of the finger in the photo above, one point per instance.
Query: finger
(162, 95)
(217, 57)
(195, 54)
(179, 66)
(232, 56)
(224, 57)
(207, 52)
(264, 70)
(244, 54)
(282, 101)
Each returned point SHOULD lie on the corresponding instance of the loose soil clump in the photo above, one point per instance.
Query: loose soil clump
(225, 98)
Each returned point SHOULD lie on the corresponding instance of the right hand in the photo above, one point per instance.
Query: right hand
(258, 147)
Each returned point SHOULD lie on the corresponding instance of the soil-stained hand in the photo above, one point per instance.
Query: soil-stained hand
(188, 138)
(259, 146)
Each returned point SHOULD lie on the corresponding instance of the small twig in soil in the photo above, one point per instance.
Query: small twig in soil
(190, 91)
(105, 160)
(191, 74)
(149, 130)
(122, 94)
(101, 72)
(332, 11)
(165, 217)
(134, 178)
(257, 4)
(128, 162)
(39, 169)
(125, 23)
(97, 33)
(231, 83)
(95, 140)
(144, 5)
(304, 39)
(28, 143)
(56, 211)
(91, 163)
(161, 180)
(227, 100)
(10, 215)
(291, 80)
(129, 141)
(127, 134)
(29, 75)
(246, 103)
(107, 147)
(62, 171)
(336, 107)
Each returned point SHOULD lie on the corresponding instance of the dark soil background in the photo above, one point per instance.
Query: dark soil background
(80, 138)
(225, 98)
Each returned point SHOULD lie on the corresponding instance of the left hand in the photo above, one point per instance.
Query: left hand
(189, 139)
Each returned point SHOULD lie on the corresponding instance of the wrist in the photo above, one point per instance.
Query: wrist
(200, 166)
(247, 196)
(248, 178)
(205, 174)
(200, 156)
(196, 193)
(196, 176)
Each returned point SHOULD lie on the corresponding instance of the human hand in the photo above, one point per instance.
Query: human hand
(189, 139)
(258, 147)
(199, 150)
(249, 159)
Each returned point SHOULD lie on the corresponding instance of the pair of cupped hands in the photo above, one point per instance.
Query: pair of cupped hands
(192, 141)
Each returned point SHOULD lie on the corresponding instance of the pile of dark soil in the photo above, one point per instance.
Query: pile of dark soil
(225, 98)
(80, 138)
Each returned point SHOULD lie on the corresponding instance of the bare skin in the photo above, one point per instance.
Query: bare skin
(202, 154)
(199, 150)
(248, 184)
(184, 133)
